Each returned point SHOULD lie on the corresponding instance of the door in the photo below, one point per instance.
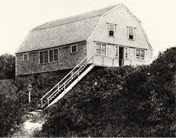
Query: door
(121, 56)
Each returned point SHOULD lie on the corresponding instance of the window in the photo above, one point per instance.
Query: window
(126, 53)
(140, 54)
(117, 51)
(45, 56)
(56, 55)
(111, 30)
(25, 57)
(130, 33)
(101, 48)
(41, 57)
(98, 48)
(74, 48)
(49, 56)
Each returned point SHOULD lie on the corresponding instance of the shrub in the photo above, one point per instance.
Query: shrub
(7, 66)
(126, 101)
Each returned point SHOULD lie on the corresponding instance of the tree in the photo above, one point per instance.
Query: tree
(7, 66)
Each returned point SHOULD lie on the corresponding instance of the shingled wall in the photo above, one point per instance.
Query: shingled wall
(67, 60)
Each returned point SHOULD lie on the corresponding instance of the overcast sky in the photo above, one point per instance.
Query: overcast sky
(18, 17)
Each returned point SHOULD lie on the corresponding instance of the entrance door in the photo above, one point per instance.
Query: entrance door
(121, 56)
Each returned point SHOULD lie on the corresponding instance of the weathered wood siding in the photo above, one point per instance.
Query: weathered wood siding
(67, 60)
(122, 19)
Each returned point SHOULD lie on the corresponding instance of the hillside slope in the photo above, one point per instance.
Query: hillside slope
(126, 101)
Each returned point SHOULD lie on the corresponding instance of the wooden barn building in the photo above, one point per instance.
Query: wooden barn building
(109, 37)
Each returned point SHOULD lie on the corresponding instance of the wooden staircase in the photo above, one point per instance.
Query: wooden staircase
(67, 83)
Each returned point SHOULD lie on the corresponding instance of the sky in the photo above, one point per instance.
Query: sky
(18, 17)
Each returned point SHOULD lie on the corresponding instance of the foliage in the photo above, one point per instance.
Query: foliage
(11, 107)
(126, 101)
(7, 66)
(14, 98)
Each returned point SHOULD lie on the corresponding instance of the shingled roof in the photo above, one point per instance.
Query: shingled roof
(64, 31)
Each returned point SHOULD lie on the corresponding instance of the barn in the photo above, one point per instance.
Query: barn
(109, 37)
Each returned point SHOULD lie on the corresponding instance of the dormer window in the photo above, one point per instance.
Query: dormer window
(111, 30)
(131, 33)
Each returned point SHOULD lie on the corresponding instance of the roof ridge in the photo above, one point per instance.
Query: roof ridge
(86, 14)
(65, 23)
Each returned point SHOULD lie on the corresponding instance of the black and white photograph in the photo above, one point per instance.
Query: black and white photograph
(87, 68)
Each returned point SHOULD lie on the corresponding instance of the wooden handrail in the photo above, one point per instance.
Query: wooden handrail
(69, 79)
(61, 84)
(63, 78)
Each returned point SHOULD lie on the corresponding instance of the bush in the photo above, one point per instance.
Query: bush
(126, 101)
(14, 98)
(7, 66)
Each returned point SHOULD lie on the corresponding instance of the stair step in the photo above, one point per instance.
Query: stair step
(64, 84)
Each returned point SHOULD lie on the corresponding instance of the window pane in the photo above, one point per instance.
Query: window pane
(142, 54)
(74, 49)
(98, 48)
(130, 36)
(111, 27)
(137, 57)
(51, 55)
(103, 49)
(137, 54)
(130, 33)
(25, 57)
(55, 54)
(45, 56)
(41, 57)
(126, 53)
(117, 52)
(111, 33)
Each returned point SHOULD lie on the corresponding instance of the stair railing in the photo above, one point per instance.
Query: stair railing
(64, 82)
(64, 85)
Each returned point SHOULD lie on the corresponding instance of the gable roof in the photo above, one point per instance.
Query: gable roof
(64, 31)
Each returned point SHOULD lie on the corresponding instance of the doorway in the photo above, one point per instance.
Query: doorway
(121, 56)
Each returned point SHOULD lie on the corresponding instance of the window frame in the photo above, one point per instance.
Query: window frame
(133, 33)
(140, 57)
(40, 57)
(51, 57)
(116, 51)
(56, 56)
(126, 54)
(44, 61)
(25, 54)
(71, 50)
(46, 55)
(101, 48)
(109, 28)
